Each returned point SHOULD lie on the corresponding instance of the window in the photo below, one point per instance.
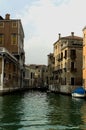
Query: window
(9, 76)
(1, 39)
(1, 24)
(31, 75)
(13, 39)
(65, 81)
(72, 81)
(61, 55)
(72, 65)
(65, 56)
(73, 54)
(4, 75)
(14, 24)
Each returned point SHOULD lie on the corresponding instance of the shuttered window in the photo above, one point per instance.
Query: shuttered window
(1, 39)
(13, 39)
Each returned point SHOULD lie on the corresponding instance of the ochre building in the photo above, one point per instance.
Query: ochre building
(68, 63)
(84, 57)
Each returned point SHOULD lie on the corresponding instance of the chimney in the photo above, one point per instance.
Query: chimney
(7, 16)
(59, 35)
(72, 34)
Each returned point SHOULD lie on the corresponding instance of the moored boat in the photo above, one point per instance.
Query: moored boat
(78, 92)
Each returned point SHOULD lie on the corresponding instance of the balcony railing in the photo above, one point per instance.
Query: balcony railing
(4, 50)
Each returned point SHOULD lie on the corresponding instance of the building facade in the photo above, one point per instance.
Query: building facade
(9, 71)
(40, 75)
(51, 63)
(84, 57)
(12, 39)
(68, 63)
(29, 77)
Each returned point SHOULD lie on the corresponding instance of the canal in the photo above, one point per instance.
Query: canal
(41, 111)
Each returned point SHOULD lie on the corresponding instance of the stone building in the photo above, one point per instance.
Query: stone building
(9, 71)
(51, 62)
(40, 75)
(29, 77)
(68, 63)
(12, 39)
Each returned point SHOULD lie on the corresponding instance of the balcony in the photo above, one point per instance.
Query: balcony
(6, 52)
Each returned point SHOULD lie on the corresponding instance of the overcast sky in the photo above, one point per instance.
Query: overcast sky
(42, 21)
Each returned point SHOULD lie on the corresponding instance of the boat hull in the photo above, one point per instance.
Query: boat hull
(78, 95)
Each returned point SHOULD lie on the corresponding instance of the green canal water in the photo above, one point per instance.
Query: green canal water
(41, 111)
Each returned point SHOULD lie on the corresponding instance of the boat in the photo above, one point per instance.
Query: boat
(79, 92)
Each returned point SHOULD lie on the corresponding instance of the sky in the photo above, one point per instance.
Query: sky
(42, 21)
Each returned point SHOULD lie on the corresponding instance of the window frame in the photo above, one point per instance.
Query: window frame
(1, 24)
(14, 39)
(14, 24)
(1, 39)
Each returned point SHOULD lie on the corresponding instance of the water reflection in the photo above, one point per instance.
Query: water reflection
(65, 112)
(83, 112)
(41, 111)
(10, 112)
(35, 111)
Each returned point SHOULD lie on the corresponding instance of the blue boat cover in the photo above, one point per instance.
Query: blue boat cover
(79, 90)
